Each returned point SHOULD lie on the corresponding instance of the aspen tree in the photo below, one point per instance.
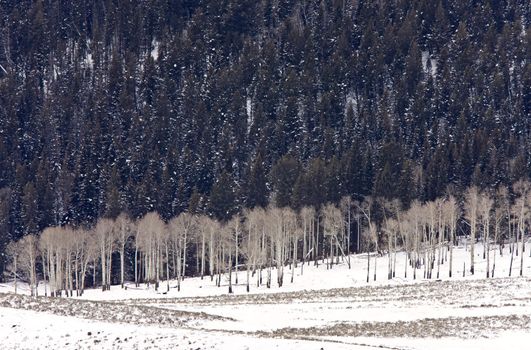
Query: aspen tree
(332, 222)
(390, 209)
(391, 226)
(346, 207)
(395, 207)
(440, 237)
(45, 249)
(48, 244)
(25, 259)
(308, 225)
(522, 212)
(451, 213)
(485, 206)
(405, 228)
(13, 251)
(234, 231)
(78, 250)
(203, 228)
(471, 215)
(104, 231)
(68, 246)
(372, 236)
(251, 241)
(123, 229)
(90, 253)
(213, 229)
(166, 239)
(149, 234)
(415, 214)
(290, 238)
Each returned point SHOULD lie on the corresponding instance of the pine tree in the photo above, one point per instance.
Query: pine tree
(222, 198)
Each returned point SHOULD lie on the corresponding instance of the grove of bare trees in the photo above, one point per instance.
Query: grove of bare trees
(258, 241)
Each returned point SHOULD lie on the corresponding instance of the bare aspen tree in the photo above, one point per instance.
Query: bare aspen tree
(234, 226)
(13, 251)
(57, 261)
(189, 226)
(274, 242)
(202, 226)
(156, 230)
(405, 229)
(226, 250)
(104, 231)
(42, 250)
(316, 238)
(374, 237)
(451, 213)
(296, 235)
(49, 246)
(291, 236)
(175, 232)
(511, 229)
(166, 239)
(471, 215)
(367, 241)
(89, 253)
(415, 213)
(182, 227)
(123, 229)
(441, 234)
(357, 216)
(78, 250)
(262, 258)
(396, 208)
(137, 239)
(59, 258)
(150, 232)
(68, 246)
(213, 228)
(390, 229)
(251, 241)
(431, 222)
(521, 211)
(485, 206)
(371, 234)
(390, 210)
(308, 226)
(346, 207)
(332, 224)
(25, 259)
(45, 249)
(499, 215)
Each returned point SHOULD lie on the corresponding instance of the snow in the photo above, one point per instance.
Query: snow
(312, 277)
(323, 308)
(88, 62)
(155, 50)
(433, 62)
(30, 330)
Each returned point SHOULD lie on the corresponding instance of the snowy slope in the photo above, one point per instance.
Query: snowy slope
(323, 308)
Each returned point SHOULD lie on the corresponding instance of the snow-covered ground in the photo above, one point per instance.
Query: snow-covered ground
(322, 309)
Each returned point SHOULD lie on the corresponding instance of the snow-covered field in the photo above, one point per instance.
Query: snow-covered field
(321, 309)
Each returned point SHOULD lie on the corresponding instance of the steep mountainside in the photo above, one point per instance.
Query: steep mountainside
(212, 106)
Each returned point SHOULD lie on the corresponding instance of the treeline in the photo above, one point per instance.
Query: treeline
(250, 245)
(232, 104)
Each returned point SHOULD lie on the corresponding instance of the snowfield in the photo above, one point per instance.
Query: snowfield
(322, 309)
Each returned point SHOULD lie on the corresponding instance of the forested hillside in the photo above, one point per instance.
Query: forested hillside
(213, 106)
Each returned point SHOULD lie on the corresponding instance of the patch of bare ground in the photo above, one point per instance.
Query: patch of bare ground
(427, 291)
(463, 327)
(105, 311)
